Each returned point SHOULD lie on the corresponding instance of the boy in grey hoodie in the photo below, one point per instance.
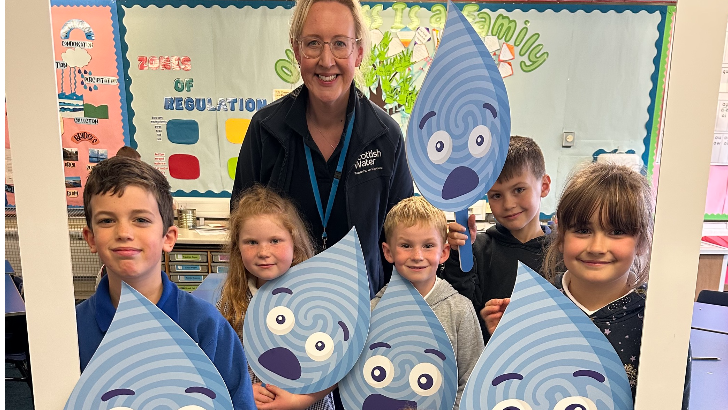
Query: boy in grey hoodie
(416, 243)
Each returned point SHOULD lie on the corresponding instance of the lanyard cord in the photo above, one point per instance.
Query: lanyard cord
(337, 176)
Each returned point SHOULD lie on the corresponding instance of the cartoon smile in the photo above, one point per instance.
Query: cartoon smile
(379, 402)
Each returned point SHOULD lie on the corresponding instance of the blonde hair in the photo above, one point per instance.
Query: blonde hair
(622, 199)
(413, 211)
(257, 201)
(301, 13)
(361, 31)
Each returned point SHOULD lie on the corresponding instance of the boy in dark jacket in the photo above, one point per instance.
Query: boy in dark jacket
(515, 200)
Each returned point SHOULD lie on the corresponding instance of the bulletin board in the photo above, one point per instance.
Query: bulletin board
(589, 69)
(91, 104)
(9, 183)
(716, 203)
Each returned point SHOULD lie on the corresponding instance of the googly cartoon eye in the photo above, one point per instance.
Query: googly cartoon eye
(512, 404)
(319, 346)
(378, 371)
(425, 379)
(280, 320)
(479, 141)
(575, 403)
(439, 147)
(192, 407)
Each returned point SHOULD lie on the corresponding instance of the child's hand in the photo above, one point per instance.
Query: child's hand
(262, 395)
(493, 312)
(283, 400)
(455, 235)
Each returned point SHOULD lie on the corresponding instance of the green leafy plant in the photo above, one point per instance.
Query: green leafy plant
(389, 79)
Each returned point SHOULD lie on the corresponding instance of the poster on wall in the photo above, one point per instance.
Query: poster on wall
(9, 183)
(587, 69)
(91, 106)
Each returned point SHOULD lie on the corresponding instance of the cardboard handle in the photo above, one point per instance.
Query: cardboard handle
(466, 251)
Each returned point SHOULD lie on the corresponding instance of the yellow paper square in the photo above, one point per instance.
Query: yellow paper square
(235, 129)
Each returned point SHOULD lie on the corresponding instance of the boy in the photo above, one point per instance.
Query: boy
(129, 218)
(515, 200)
(415, 242)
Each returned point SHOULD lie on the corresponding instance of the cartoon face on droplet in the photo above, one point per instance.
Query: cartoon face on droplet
(304, 330)
(546, 354)
(147, 361)
(459, 129)
(407, 362)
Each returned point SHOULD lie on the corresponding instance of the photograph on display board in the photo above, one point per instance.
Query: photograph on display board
(97, 155)
(70, 154)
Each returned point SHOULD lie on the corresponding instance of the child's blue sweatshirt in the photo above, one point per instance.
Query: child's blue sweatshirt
(202, 322)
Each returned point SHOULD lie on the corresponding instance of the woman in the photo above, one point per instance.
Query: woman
(339, 157)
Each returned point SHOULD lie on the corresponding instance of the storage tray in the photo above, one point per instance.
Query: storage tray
(176, 256)
(188, 267)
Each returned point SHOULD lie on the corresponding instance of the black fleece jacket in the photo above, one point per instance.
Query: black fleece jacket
(376, 174)
(496, 253)
(621, 322)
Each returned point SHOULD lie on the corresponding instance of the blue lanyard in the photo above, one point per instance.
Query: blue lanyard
(337, 176)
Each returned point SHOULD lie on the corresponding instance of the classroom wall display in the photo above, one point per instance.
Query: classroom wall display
(460, 127)
(546, 354)
(192, 94)
(588, 69)
(716, 203)
(663, 70)
(300, 335)
(408, 361)
(9, 182)
(91, 104)
(146, 360)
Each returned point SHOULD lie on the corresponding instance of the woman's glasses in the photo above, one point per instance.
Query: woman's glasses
(341, 46)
